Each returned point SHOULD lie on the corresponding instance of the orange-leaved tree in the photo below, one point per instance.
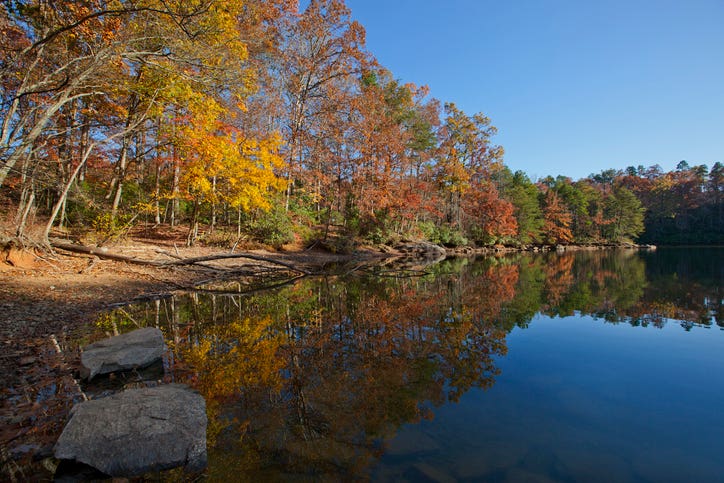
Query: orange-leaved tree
(557, 224)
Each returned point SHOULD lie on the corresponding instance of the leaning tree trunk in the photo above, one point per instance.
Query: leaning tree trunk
(27, 198)
(64, 195)
(117, 183)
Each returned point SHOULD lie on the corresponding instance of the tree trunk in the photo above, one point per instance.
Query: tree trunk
(213, 203)
(64, 204)
(26, 182)
(24, 216)
(175, 190)
(63, 196)
(120, 175)
(193, 226)
(157, 195)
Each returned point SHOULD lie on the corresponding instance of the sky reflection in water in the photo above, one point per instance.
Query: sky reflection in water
(580, 400)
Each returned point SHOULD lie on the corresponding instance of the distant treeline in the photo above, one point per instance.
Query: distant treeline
(683, 206)
(251, 119)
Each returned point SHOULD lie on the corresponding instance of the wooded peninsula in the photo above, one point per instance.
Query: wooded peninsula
(254, 121)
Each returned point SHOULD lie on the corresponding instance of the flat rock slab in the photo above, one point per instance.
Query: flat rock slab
(138, 431)
(132, 350)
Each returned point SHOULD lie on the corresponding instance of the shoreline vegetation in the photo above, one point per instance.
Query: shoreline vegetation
(100, 277)
(269, 125)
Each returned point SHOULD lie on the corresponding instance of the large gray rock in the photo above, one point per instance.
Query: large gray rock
(132, 350)
(138, 431)
(422, 249)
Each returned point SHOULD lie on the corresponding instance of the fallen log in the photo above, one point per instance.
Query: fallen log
(103, 253)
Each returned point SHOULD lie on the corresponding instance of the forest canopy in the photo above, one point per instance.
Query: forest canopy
(255, 119)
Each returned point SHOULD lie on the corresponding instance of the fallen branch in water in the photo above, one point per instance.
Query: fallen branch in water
(246, 292)
(399, 273)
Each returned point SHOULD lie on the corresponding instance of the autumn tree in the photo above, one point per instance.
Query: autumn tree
(466, 164)
(488, 218)
(322, 56)
(394, 141)
(583, 200)
(92, 75)
(557, 220)
(221, 165)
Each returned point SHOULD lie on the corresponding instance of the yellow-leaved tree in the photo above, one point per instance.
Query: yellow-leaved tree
(199, 102)
(251, 175)
(222, 165)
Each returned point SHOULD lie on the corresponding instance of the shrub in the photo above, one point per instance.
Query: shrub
(107, 228)
(449, 237)
(219, 238)
(273, 227)
(428, 230)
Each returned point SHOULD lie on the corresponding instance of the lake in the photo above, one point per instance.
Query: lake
(579, 366)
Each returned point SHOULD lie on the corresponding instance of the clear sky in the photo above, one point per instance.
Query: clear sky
(574, 86)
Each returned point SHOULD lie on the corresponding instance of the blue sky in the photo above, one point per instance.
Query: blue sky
(574, 87)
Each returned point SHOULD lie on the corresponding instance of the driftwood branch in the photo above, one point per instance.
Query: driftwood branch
(101, 253)
(223, 256)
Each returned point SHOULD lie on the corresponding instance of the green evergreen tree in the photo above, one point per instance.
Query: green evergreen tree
(518, 189)
(625, 216)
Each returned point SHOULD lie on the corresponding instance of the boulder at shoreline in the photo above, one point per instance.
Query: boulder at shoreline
(138, 431)
(132, 350)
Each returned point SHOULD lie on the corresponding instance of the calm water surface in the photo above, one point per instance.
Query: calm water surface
(586, 366)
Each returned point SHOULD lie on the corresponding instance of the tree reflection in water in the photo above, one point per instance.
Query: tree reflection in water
(310, 379)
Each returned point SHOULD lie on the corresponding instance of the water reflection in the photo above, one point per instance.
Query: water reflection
(682, 286)
(312, 379)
